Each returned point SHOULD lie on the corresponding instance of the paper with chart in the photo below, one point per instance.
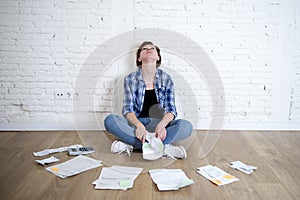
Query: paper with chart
(153, 148)
(216, 175)
(169, 179)
(74, 166)
(46, 152)
(248, 169)
(117, 177)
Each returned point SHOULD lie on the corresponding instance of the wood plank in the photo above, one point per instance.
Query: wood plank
(287, 143)
(286, 173)
(275, 154)
(272, 191)
(232, 146)
(6, 137)
(261, 144)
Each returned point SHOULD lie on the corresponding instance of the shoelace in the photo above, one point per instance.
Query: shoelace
(129, 150)
(125, 148)
(167, 151)
(169, 157)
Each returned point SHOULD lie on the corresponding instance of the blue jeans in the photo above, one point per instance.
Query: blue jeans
(119, 126)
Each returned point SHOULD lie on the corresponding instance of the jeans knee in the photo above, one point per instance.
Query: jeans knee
(188, 127)
(108, 121)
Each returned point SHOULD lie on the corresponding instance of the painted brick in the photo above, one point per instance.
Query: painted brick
(253, 44)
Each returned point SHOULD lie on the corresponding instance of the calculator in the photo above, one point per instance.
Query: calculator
(80, 151)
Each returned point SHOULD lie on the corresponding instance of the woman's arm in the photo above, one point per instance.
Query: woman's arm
(141, 131)
(160, 130)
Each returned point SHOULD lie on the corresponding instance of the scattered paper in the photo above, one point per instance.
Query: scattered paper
(117, 177)
(248, 169)
(55, 150)
(153, 148)
(74, 166)
(45, 161)
(170, 179)
(216, 175)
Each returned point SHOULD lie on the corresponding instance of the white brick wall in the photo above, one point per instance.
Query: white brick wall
(254, 45)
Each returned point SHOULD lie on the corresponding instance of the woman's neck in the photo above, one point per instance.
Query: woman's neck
(148, 72)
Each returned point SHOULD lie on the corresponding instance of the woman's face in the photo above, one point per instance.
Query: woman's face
(149, 53)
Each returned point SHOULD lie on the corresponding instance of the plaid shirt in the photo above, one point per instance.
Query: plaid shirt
(134, 92)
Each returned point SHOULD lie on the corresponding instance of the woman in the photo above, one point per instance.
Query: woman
(148, 106)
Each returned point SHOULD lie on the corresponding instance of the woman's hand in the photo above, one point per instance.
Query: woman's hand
(141, 133)
(160, 131)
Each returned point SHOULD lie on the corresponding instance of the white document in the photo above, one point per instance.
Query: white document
(153, 149)
(45, 161)
(216, 175)
(248, 169)
(170, 179)
(74, 166)
(117, 177)
(55, 150)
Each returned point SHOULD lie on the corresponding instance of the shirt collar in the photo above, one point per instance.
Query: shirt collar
(140, 74)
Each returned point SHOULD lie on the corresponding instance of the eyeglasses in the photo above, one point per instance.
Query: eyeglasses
(151, 48)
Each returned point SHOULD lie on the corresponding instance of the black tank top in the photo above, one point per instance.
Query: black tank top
(150, 106)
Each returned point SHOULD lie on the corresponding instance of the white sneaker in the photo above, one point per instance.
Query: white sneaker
(120, 147)
(174, 152)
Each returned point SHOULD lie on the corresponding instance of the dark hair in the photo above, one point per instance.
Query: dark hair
(138, 52)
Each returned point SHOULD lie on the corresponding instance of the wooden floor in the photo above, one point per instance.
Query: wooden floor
(276, 154)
